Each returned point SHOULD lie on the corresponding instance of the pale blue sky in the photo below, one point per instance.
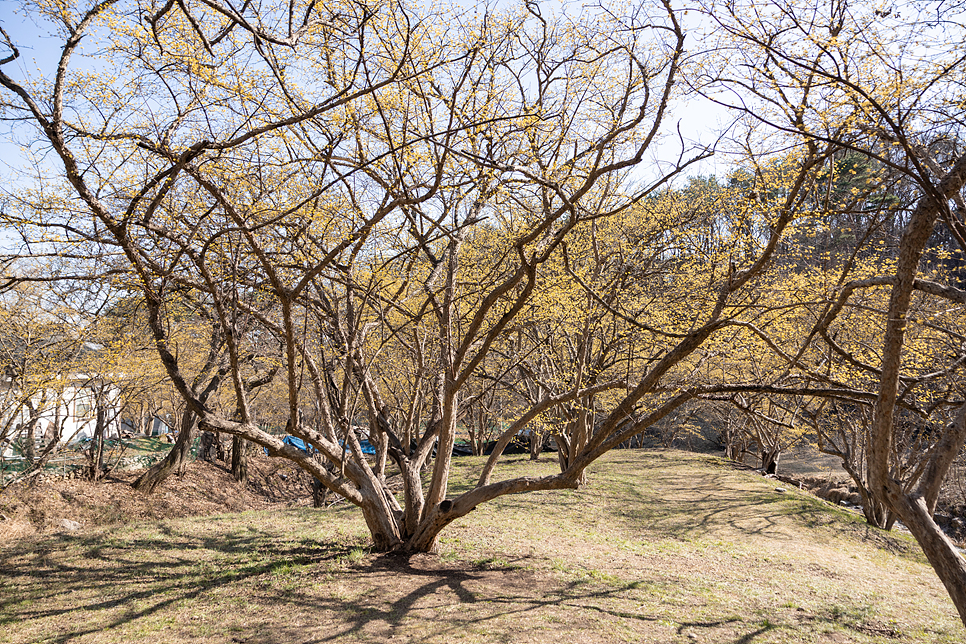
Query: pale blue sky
(39, 51)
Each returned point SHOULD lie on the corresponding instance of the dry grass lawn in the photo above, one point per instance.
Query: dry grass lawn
(661, 546)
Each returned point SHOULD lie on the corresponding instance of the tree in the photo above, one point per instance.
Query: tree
(70, 372)
(865, 81)
(39, 349)
(327, 202)
(383, 200)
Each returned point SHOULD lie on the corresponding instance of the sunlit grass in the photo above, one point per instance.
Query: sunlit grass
(657, 545)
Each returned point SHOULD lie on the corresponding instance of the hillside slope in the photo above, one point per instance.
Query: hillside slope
(660, 546)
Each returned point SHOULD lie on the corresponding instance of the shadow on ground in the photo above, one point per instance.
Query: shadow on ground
(258, 585)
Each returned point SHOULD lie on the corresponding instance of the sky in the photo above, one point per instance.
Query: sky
(40, 50)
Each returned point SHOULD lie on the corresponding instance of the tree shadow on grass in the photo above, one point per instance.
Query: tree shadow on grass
(683, 500)
(292, 590)
(710, 506)
(702, 505)
(109, 582)
(432, 600)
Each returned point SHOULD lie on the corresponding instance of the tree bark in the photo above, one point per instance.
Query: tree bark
(912, 508)
(29, 451)
(536, 445)
(939, 550)
(385, 534)
(941, 459)
(877, 511)
(239, 459)
(176, 459)
(97, 447)
(769, 459)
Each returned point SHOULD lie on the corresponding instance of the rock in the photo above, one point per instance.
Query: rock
(779, 489)
(813, 481)
(67, 524)
(837, 495)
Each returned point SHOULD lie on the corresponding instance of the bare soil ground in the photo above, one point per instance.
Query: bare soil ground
(660, 546)
(41, 506)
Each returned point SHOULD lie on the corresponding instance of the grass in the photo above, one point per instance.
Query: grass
(659, 546)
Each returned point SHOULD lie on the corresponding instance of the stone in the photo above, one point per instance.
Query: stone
(837, 494)
(67, 524)
(779, 489)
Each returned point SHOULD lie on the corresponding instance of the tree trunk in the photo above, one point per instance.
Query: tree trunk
(206, 448)
(580, 434)
(943, 454)
(877, 512)
(426, 538)
(380, 521)
(413, 494)
(29, 447)
(734, 449)
(536, 445)
(947, 562)
(563, 451)
(380, 441)
(477, 435)
(319, 492)
(769, 460)
(176, 459)
(913, 509)
(220, 454)
(875, 508)
(239, 459)
(97, 447)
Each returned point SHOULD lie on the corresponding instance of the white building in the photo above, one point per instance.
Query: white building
(66, 410)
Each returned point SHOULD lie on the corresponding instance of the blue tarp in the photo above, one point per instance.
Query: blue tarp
(367, 447)
(298, 443)
(295, 442)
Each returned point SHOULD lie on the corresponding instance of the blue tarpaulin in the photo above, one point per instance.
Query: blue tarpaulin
(298, 443)
(367, 447)
(295, 442)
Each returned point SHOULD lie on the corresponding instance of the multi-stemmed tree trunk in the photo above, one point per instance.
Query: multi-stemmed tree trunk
(206, 383)
(384, 215)
(239, 459)
(420, 239)
(916, 507)
(303, 271)
(843, 432)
